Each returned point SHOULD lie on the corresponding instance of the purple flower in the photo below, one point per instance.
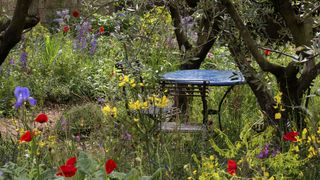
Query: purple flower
(23, 59)
(127, 136)
(11, 61)
(264, 153)
(83, 31)
(101, 100)
(209, 55)
(93, 45)
(22, 95)
(64, 14)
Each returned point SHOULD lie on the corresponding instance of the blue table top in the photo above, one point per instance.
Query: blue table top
(198, 76)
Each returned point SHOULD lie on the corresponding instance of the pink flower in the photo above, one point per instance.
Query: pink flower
(66, 28)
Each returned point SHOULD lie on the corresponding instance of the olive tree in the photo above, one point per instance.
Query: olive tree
(227, 19)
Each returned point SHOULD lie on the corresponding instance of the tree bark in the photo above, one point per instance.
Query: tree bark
(11, 32)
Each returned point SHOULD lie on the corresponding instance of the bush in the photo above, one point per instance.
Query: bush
(80, 120)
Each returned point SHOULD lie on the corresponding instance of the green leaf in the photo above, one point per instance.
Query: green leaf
(118, 175)
(86, 163)
(132, 175)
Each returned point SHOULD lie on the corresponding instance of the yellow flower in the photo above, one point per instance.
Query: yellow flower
(211, 157)
(141, 84)
(41, 144)
(277, 116)
(163, 102)
(304, 133)
(189, 178)
(318, 130)
(194, 172)
(115, 111)
(312, 152)
(106, 110)
(124, 79)
(145, 105)
(36, 132)
(136, 120)
(121, 84)
(134, 105)
(296, 148)
(52, 138)
(277, 98)
(271, 178)
(132, 83)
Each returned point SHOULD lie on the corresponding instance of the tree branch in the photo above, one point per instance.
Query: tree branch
(309, 14)
(12, 34)
(306, 78)
(251, 44)
(295, 24)
(181, 37)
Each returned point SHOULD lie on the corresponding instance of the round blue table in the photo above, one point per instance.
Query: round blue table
(203, 79)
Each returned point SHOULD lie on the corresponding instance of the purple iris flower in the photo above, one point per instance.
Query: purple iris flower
(22, 95)
(264, 153)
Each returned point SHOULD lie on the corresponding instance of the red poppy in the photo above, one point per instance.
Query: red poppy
(110, 166)
(267, 52)
(71, 161)
(26, 137)
(291, 136)
(76, 13)
(101, 29)
(41, 118)
(68, 170)
(66, 28)
(232, 167)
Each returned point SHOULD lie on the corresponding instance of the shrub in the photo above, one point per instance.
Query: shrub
(80, 120)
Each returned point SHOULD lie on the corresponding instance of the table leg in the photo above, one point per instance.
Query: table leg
(204, 104)
(220, 105)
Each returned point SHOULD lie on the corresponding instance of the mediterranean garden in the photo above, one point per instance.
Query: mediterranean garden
(81, 95)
